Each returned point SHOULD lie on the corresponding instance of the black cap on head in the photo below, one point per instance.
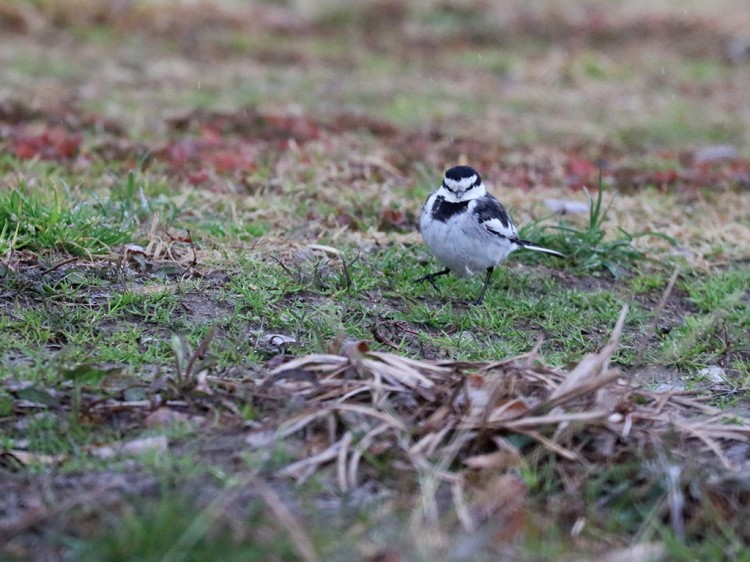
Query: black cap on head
(458, 173)
(461, 178)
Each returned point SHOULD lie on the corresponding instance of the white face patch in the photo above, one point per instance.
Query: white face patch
(468, 193)
(459, 185)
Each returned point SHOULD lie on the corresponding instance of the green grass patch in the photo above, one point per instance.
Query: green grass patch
(717, 333)
(592, 249)
(173, 529)
(56, 222)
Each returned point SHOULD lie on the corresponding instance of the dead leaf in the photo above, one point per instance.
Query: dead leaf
(642, 552)
(498, 460)
(503, 500)
(26, 458)
(135, 447)
(164, 416)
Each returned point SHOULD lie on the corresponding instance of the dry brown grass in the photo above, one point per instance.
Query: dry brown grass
(452, 424)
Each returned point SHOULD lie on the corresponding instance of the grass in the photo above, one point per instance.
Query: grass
(155, 532)
(236, 267)
(319, 297)
(592, 249)
(717, 333)
(677, 125)
(30, 222)
(70, 330)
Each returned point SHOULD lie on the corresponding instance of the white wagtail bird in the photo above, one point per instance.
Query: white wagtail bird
(467, 229)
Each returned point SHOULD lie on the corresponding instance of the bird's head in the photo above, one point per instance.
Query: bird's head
(462, 183)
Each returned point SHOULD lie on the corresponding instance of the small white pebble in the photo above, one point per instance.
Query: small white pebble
(566, 206)
(714, 373)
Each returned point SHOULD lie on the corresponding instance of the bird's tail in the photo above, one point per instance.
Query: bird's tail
(537, 248)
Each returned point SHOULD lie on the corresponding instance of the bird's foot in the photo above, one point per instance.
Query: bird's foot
(431, 278)
(480, 298)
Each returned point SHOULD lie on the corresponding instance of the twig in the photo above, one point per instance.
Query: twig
(195, 257)
(12, 249)
(657, 314)
(286, 269)
(323, 457)
(301, 541)
(208, 516)
(347, 276)
(459, 503)
(676, 500)
(592, 368)
(341, 473)
(201, 350)
(380, 338)
(58, 265)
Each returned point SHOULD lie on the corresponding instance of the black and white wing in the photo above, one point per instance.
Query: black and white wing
(492, 215)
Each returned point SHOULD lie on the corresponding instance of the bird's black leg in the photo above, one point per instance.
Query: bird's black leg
(480, 300)
(431, 278)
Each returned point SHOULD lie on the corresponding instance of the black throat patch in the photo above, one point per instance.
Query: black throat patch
(443, 210)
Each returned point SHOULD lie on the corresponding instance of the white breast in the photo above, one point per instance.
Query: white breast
(461, 243)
